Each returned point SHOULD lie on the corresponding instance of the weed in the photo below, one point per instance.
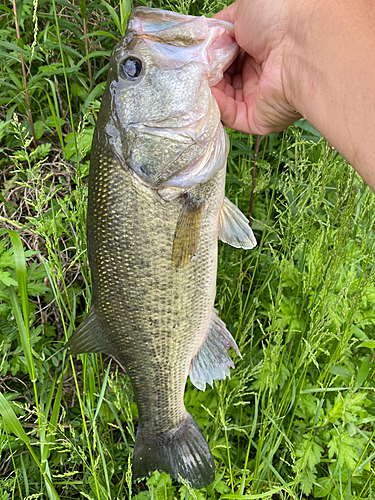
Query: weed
(296, 419)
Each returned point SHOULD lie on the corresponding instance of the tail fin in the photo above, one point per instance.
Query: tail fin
(182, 452)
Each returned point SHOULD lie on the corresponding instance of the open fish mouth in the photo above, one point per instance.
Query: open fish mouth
(195, 132)
(190, 140)
(170, 133)
(176, 40)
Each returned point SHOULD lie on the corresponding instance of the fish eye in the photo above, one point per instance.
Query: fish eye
(131, 68)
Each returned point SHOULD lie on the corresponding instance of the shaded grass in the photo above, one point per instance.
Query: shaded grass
(296, 418)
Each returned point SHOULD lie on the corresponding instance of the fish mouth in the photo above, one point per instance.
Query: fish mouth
(184, 144)
(176, 40)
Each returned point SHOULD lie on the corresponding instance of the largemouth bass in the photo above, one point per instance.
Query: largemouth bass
(156, 208)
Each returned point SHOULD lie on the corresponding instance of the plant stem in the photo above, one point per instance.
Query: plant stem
(24, 77)
(253, 178)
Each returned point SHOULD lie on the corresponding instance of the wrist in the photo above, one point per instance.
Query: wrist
(329, 74)
(298, 58)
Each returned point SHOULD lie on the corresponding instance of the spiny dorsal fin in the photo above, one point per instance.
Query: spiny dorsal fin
(212, 361)
(234, 228)
(186, 237)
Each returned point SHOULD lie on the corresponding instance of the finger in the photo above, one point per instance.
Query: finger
(226, 87)
(251, 73)
(221, 98)
(236, 66)
(248, 78)
(233, 113)
(237, 95)
(237, 81)
(232, 70)
(227, 14)
(227, 78)
(221, 85)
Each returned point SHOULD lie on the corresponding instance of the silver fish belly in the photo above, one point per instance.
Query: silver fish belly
(156, 209)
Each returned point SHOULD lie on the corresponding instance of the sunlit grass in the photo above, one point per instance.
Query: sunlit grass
(296, 420)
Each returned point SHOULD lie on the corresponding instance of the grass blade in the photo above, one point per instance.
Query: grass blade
(20, 264)
(12, 421)
(102, 392)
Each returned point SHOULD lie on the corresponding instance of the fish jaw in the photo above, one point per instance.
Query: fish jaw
(177, 39)
(163, 122)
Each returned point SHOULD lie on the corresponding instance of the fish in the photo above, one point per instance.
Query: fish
(156, 208)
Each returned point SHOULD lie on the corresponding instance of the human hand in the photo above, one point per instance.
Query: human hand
(314, 59)
(254, 96)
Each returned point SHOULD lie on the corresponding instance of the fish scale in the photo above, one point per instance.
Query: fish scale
(156, 208)
(125, 277)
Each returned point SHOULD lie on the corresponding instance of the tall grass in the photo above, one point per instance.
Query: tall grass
(296, 419)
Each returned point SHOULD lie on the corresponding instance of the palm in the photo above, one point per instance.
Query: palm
(251, 96)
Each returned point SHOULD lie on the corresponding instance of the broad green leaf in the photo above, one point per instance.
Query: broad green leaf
(7, 258)
(20, 265)
(266, 494)
(6, 278)
(105, 33)
(23, 331)
(368, 343)
(307, 478)
(114, 16)
(322, 487)
(17, 49)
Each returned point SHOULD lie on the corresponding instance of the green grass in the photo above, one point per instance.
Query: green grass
(296, 420)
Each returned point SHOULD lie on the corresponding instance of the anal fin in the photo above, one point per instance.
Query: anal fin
(212, 361)
(234, 228)
(88, 337)
(186, 238)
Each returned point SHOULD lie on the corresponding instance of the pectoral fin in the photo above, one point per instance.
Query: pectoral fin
(186, 238)
(234, 228)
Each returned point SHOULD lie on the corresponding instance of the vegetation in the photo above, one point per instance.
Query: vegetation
(296, 420)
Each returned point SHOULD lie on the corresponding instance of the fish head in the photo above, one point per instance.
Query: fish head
(158, 109)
